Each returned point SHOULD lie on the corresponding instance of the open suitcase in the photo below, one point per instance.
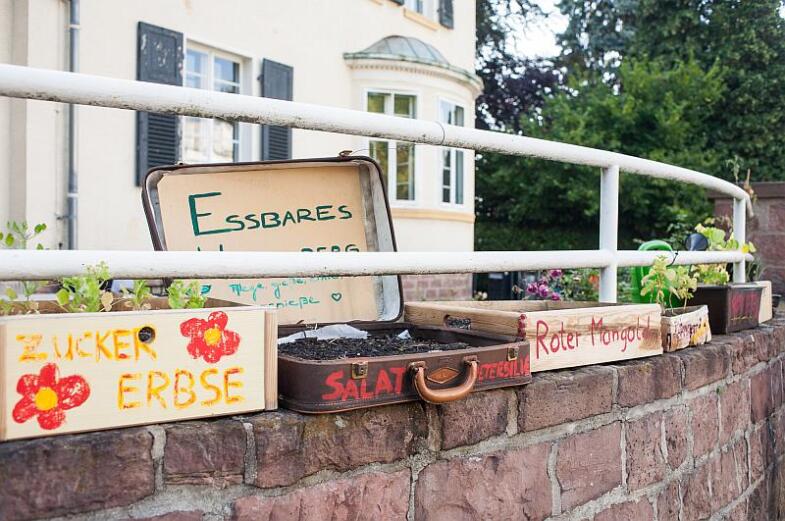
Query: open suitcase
(331, 204)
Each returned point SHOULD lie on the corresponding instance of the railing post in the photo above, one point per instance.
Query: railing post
(740, 234)
(609, 229)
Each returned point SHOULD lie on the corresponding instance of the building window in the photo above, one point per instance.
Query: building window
(452, 158)
(211, 140)
(396, 158)
(423, 7)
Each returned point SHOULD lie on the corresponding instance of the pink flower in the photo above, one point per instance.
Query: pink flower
(544, 291)
(532, 288)
(555, 296)
(555, 274)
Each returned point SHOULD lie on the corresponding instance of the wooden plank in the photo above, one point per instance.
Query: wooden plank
(766, 312)
(566, 337)
(293, 207)
(64, 373)
(686, 329)
(271, 361)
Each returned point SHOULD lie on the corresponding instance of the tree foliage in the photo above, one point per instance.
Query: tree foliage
(660, 113)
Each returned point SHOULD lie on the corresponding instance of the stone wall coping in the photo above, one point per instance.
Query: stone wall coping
(762, 189)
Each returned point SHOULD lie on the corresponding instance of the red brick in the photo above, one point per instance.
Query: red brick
(189, 515)
(761, 451)
(476, 418)
(704, 423)
(729, 475)
(759, 506)
(676, 437)
(210, 453)
(763, 343)
(777, 216)
(741, 356)
(375, 496)
(555, 398)
(644, 381)
(645, 461)
(291, 446)
(761, 397)
(589, 465)
(696, 500)
(505, 485)
(734, 409)
(669, 503)
(76, 473)
(771, 245)
(705, 365)
(640, 510)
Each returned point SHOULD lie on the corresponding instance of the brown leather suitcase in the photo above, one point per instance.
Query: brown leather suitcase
(353, 185)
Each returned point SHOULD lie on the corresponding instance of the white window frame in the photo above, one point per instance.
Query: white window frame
(243, 130)
(453, 155)
(392, 187)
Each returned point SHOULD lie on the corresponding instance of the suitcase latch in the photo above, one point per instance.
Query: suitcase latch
(512, 353)
(359, 370)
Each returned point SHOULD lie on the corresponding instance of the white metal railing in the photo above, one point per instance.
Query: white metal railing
(30, 83)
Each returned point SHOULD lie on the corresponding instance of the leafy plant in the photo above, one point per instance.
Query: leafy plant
(84, 293)
(18, 237)
(665, 282)
(719, 240)
(185, 295)
(138, 295)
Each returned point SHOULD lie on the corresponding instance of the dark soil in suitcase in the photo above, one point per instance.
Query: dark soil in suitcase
(384, 345)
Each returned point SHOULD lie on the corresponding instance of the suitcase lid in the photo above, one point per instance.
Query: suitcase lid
(324, 204)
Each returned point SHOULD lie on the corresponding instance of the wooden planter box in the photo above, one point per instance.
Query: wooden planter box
(73, 372)
(732, 307)
(683, 327)
(766, 312)
(560, 334)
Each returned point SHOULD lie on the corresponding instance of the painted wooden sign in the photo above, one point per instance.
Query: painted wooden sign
(560, 334)
(288, 207)
(683, 328)
(62, 373)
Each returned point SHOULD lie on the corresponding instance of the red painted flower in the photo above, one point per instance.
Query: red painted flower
(48, 397)
(209, 338)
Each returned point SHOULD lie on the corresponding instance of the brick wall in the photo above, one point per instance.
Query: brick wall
(437, 287)
(698, 434)
(766, 229)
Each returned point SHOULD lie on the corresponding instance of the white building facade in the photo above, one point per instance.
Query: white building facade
(410, 58)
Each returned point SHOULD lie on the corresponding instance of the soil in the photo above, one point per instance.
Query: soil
(313, 349)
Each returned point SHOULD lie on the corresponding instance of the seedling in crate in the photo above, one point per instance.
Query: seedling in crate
(85, 293)
(184, 295)
(18, 236)
(139, 295)
(664, 282)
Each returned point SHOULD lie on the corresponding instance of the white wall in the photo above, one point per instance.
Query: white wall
(310, 35)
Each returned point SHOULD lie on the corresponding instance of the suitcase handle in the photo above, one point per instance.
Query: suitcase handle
(444, 395)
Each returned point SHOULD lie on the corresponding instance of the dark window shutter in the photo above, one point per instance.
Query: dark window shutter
(445, 13)
(277, 82)
(159, 60)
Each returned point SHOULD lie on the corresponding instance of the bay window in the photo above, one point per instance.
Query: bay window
(211, 140)
(396, 158)
(452, 158)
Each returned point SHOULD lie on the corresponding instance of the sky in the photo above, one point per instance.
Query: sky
(538, 39)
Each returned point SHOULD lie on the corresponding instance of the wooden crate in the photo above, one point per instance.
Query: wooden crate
(561, 334)
(73, 372)
(685, 327)
(766, 311)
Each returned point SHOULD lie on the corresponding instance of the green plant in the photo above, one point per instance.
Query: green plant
(84, 293)
(718, 240)
(182, 295)
(665, 282)
(17, 237)
(138, 295)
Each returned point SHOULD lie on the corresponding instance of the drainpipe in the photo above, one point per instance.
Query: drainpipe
(73, 191)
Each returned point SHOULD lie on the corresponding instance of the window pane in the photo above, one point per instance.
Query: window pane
(376, 102)
(404, 105)
(458, 116)
(459, 177)
(446, 175)
(227, 70)
(380, 152)
(404, 175)
(195, 62)
(195, 148)
(224, 137)
(445, 112)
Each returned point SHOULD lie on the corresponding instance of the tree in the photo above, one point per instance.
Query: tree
(746, 38)
(656, 110)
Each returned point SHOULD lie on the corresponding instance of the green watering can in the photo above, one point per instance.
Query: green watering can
(639, 272)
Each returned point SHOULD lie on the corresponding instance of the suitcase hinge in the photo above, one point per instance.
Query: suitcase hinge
(359, 370)
(512, 353)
